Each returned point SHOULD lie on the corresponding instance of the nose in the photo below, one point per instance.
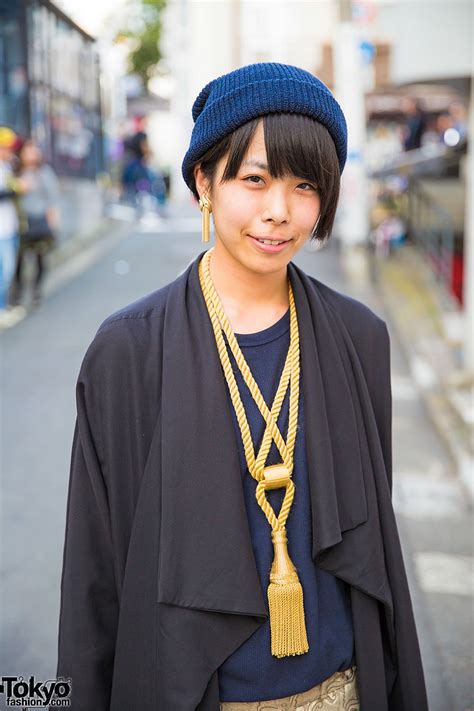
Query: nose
(276, 208)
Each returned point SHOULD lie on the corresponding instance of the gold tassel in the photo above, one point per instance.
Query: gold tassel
(206, 209)
(285, 600)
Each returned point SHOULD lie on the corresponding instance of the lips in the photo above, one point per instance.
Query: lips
(265, 243)
(269, 238)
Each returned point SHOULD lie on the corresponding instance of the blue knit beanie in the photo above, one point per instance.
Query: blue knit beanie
(255, 90)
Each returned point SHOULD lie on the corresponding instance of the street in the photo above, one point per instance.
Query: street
(40, 362)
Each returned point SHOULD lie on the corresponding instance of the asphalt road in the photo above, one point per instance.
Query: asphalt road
(40, 360)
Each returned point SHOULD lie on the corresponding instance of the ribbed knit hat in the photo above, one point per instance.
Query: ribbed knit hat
(231, 100)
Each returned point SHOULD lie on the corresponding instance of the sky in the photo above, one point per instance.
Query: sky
(90, 14)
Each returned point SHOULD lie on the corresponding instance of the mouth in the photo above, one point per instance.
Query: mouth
(267, 244)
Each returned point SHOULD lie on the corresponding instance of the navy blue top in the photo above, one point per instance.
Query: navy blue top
(251, 673)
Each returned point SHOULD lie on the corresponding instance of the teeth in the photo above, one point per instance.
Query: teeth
(270, 241)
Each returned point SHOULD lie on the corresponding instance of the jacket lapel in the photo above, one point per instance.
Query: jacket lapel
(343, 469)
(206, 555)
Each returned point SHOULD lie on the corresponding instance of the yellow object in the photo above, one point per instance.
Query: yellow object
(276, 476)
(285, 593)
(285, 600)
(206, 209)
(7, 137)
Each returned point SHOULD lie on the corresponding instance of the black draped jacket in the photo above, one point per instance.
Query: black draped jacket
(159, 581)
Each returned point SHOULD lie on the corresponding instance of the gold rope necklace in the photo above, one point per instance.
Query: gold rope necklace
(285, 593)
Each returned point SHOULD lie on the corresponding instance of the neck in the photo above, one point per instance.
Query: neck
(248, 298)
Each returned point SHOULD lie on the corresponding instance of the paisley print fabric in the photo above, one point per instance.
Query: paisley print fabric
(338, 693)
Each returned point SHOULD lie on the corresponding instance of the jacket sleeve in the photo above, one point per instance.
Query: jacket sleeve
(89, 603)
(380, 389)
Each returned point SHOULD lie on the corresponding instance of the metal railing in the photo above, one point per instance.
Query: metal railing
(431, 230)
(430, 226)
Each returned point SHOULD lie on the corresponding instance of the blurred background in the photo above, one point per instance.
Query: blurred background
(95, 117)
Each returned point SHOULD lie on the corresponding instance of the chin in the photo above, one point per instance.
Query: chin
(265, 265)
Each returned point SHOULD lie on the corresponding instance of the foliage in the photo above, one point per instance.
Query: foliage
(145, 38)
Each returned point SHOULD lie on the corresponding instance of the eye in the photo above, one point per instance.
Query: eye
(307, 187)
(254, 179)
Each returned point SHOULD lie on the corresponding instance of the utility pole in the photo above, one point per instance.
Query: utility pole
(468, 289)
(179, 29)
(345, 10)
(349, 87)
(236, 30)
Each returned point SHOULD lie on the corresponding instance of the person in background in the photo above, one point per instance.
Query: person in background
(9, 188)
(458, 113)
(39, 206)
(136, 176)
(137, 140)
(415, 124)
(142, 186)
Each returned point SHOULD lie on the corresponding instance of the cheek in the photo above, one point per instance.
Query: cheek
(308, 214)
(234, 210)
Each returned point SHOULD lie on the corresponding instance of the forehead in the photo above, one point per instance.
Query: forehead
(256, 155)
(257, 144)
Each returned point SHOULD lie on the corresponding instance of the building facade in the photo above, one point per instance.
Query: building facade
(49, 85)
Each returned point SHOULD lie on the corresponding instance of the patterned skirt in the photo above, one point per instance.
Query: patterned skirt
(338, 693)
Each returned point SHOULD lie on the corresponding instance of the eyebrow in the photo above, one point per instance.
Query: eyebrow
(255, 164)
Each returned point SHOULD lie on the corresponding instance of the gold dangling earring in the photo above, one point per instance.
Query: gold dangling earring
(206, 209)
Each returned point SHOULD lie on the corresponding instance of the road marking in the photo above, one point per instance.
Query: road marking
(121, 267)
(444, 573)
(425, 495)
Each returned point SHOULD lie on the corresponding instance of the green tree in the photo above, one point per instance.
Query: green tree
(145, 36)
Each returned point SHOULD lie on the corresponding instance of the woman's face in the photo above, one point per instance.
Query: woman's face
(254, 206)
(30, 154)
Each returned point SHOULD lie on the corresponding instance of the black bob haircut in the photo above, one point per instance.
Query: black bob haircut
(295, 145)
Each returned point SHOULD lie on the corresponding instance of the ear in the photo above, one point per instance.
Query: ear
(202, 183)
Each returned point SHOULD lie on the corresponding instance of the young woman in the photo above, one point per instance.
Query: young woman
(230, 540)
(9, 191)
(39, 205)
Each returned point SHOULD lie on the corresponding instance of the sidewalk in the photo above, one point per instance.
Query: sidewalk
(430, 327)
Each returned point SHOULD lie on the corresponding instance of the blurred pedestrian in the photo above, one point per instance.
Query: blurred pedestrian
(39, 205)
(136, 143)
(415, 123)
(135, 175)
(9, 189)
(142, 186)
(458, 112)
(230, 536)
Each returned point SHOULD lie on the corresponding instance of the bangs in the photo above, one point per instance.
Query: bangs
(295, 145)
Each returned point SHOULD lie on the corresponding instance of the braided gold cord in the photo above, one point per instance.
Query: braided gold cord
(289, 376)
(220, 321)
(293, 353)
